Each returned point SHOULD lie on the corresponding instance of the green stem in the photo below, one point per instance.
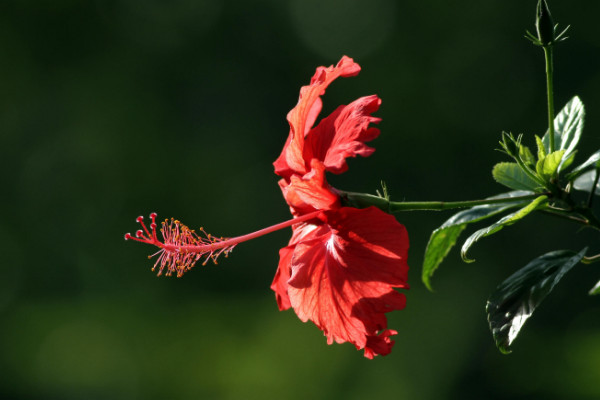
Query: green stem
(550, 93)
(589, 215)
(362, 200)
(450, 205)
(567, 216)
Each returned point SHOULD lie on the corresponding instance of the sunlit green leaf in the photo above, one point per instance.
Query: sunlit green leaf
(546, 167)
(569, 123)
(568, 126)
(512, 176)
(540, 147)
(444, 238)
(515, 299)
(501, 223)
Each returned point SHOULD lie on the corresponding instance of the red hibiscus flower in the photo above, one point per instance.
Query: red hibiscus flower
(339, 270)
(342, 263)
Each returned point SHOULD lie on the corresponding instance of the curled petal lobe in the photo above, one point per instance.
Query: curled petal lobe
(280, 282)
(380, 344)
(302, 117)
(343, 276)
(284, 269)
(310, 192)
(343, 134)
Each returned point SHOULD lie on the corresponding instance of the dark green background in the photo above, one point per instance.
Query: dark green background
(112, 109)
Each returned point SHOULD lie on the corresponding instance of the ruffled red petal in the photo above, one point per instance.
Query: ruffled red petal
(380, 344)
(343, 134)
(280, 282)
(284, 269)
(310, 192)
(339, 272)
(302, 117)
(343, 275)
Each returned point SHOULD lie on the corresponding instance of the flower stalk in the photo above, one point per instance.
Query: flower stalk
(548, 56)
(546, 37)
(362, 200)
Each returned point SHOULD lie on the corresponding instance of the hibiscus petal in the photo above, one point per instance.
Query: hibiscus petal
(310, 192)
(280, 282)
(284, 269)
(302, 117)
(343, 274)
(343, 133)
(380, 344)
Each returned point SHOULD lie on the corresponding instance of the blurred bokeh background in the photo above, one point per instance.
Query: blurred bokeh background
(114, 108)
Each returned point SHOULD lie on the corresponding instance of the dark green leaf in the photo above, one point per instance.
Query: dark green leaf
(444, 238)
(515, 299)
(501, 223)
(440, 243)
(567, 161)
(512, 176)
(586, 181)
(589, 163)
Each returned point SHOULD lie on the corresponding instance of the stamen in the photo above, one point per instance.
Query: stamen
(182, 247)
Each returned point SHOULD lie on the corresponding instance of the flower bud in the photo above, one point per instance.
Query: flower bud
(544, 23)
(510, 145)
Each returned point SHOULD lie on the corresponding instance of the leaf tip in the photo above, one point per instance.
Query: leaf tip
(595, 290)
(427, 284)
(463, 255)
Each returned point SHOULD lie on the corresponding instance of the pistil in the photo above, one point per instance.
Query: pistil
(182, 247)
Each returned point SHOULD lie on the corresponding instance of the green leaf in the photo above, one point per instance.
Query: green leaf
(569, 123)
(444, 238)
(568, 126)
(546, 167)
(541, 147)
(501, 223)
(567, 161)
(580, 169)
(440, 243)
(515, 299)
(546, 140)
(526, 156)
(586, 181)
(510, 145)
(595, 290)
(512, 176)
